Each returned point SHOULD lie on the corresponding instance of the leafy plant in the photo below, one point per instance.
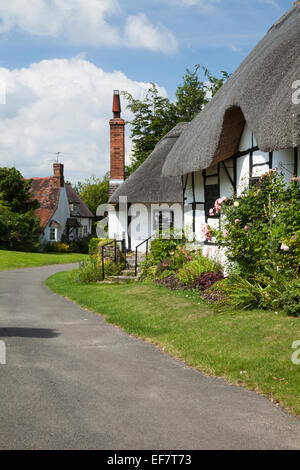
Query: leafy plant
(290, 299)
(206, 280)
(193, 269)
(89, 272)
(260, 229)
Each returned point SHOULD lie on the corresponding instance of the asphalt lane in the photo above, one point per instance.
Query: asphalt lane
(74, 382)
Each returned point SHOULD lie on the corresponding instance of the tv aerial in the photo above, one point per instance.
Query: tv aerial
(57, 154)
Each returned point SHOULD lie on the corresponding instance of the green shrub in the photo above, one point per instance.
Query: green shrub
(260, 229)
(160, 249)
(80, 245)
(193, 269)
(89, 272)
(290, 299)
(278, 294)
(94, 243)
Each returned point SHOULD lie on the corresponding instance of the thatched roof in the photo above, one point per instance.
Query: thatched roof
(146, 185)
(260, 92)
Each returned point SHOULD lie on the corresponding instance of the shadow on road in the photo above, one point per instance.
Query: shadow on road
(28, 333)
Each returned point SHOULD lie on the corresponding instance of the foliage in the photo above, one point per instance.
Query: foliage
(80, 245)
(94, 191)
(56, 247)
(207, 280)
(156, 115)
(94, 245)
(195, 267)
(19, 231)
(260, 229)
(19, 228)
(276, 294)
(158, 258)
(161, 248)
(89, 271)
(16, 191)
(290, 299)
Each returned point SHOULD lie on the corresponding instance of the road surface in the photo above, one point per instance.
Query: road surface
(74, 382)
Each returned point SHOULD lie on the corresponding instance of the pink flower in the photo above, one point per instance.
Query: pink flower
(246, 227)
(225, 233)
(211, 212)
(284, 247)
(236, 221)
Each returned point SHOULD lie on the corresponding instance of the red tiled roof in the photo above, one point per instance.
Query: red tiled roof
(46, 191)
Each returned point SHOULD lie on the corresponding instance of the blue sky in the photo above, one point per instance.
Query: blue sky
(88, 47)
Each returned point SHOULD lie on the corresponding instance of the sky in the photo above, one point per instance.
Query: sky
(61, 60)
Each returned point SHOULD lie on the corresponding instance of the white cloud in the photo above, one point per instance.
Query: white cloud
(84, 22)
(140, 33)
(61, 105)
(205, 5)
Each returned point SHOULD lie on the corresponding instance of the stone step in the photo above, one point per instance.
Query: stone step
(128, 272)
(123, 278)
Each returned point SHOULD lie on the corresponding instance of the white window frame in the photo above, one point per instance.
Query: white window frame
(53, 231)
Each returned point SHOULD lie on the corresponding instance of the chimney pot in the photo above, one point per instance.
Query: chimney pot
(116, 104)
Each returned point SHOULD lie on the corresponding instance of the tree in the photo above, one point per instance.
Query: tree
(16, 191)
(19, 228)
(94, 191)
(155, 116)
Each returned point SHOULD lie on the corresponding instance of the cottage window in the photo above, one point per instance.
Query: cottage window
(52, 234)
(163, 220)
(85, 229)
(211, 195)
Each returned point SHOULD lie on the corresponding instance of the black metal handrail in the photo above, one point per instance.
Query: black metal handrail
(147, 244)
(115, 246)
(136, 252)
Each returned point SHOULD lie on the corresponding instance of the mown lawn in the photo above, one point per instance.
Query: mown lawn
(250, 348)
(18, 259)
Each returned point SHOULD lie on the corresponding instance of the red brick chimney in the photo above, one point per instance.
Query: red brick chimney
(58, 173)
(117, 145)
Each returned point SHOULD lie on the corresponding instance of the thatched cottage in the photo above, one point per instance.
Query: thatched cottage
(146, 201)
(250, 126)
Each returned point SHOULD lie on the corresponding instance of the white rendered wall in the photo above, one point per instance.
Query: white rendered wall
(117, 222)
(142, 222)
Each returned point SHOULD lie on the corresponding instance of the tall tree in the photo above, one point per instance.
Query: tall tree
(153, 117)
(157, 115)
(19, 228)
(16, 191)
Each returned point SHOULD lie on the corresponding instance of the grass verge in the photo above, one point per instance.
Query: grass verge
(19, 259)
(249, 348)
